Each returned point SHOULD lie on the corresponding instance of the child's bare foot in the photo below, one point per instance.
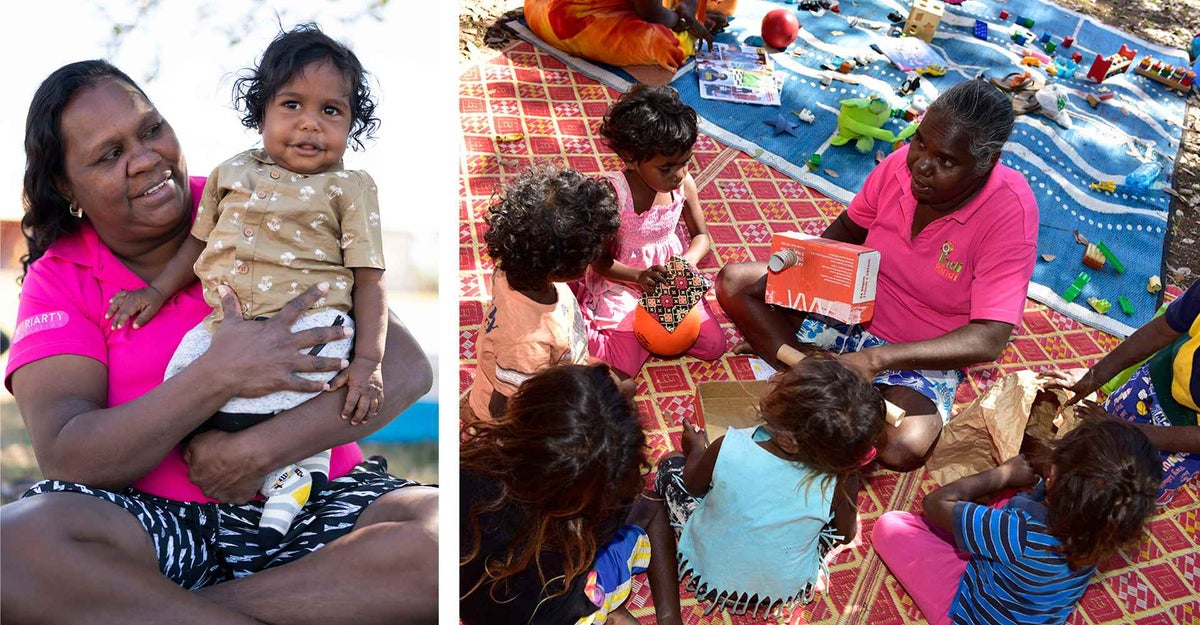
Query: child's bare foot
(744, 349)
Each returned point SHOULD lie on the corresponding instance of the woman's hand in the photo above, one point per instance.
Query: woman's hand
(1084, 386)
(223, 468)
(651, 277)
(255, 358)
(689, 24)
(862, 362)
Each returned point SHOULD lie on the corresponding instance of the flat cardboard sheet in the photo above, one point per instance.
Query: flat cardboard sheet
(729, 404)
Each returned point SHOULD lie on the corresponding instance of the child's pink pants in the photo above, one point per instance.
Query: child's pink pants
(621, 349)
(923, 559)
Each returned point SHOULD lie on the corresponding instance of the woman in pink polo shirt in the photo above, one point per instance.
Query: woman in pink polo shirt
(957, 235)
(137, 522)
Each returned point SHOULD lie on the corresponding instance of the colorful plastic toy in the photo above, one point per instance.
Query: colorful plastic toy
(1113, 258)
(1126, 305)
(1068, 42)
(1141, 179)
(814, 162)
(981, 29)
(1065, 68)
(937, 69)
(1103, 185)
(1003, 14)
(1093, 257)
(861, 120)
(1025, 21)
(1076, 287)
(1154, 285)
(1101, 306)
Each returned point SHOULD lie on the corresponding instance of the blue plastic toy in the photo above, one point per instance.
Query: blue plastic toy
(1142, 178)
(981, 29)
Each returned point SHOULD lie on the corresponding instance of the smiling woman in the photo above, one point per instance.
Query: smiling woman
(125, 528)
(957, 235)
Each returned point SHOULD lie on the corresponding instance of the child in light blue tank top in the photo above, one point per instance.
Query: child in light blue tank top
(759, 508)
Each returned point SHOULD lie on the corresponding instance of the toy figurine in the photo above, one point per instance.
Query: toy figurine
(861, 120)
(911, 83)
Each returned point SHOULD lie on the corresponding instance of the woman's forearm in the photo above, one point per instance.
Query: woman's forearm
(1140, 345)
(976, 342)
(315, 425)
(76, 439)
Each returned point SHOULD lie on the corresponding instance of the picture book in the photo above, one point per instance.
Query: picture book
(670, 302)
(908, 53)
(736, 73)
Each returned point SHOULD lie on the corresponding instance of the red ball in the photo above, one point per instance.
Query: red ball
(655, 338)
(779, 28)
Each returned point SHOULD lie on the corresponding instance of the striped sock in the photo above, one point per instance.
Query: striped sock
(286, 490)
(317, 466)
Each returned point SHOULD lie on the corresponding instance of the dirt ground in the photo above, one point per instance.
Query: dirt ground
(1170, 23)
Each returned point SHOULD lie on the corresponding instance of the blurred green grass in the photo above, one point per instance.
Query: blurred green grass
(18, 467)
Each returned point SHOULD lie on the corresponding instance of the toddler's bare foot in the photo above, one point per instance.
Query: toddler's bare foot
(744, 348)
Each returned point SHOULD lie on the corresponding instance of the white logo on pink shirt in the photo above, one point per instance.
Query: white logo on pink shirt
(39, 322)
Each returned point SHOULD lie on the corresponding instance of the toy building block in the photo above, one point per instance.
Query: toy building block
(1126, 305)
(1093, 257)
(1154, 285)
(1025, 21)
(924, 18)
(1094, 99)
(1045, 37)
(1101, 306)
(1112, 258)
(1068, 42)
(981, 29)
(1019, 37)
(1106, 67)
(1077, 57)
(1076, 287)
(1175, 78)
(1050, 46)
(1003, 14)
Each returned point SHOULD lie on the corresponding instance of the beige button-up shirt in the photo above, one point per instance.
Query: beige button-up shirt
(272, 234)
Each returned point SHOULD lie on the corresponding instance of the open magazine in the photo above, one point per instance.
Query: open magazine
(735, 73)
(908, 53)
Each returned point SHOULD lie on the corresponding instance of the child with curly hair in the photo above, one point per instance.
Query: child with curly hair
(758, 509)
(1029, 561)
(276, 220)
(552, 524)
(548, 225)
(653, 132)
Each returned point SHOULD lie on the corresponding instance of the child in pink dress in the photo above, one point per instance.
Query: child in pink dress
(653, 132)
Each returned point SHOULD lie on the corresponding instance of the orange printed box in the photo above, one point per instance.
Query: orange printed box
(830, 278)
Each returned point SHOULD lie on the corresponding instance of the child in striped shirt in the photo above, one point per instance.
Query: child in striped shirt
(1029, 560)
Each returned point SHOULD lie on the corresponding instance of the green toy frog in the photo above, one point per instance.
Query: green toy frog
(861, 120)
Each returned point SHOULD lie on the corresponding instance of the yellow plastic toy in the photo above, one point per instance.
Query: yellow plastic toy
(1103, 185)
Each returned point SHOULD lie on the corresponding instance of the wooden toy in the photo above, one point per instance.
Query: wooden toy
(1107, 67)
(924, 18)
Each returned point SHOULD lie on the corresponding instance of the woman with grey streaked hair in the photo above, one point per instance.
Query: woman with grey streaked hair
(957, 235)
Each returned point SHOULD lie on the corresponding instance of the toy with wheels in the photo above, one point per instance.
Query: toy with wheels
(658, 341)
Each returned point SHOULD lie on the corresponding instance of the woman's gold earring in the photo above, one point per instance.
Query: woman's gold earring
(75, 211)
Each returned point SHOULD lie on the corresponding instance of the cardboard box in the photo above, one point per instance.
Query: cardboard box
(829, 278)
(723, 405)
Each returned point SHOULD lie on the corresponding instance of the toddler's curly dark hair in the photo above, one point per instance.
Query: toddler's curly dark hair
(1104, 489)
(549, 225)
(287, 56)
(823, 414)
(648, 122)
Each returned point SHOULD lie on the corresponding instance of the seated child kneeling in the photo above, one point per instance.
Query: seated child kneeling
(1031, 560)
(548, 225)
(761, 507)
(275, 221)
(653, 132)
(552, 525)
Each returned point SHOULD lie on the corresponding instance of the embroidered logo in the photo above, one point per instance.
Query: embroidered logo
(43, 321)
(947, 268)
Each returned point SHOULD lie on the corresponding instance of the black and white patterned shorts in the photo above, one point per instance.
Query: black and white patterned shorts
(201, 544)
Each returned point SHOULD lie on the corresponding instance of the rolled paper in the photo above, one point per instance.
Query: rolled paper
(782, 260)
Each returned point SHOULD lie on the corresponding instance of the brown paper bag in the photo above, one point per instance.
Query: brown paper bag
(990, 430)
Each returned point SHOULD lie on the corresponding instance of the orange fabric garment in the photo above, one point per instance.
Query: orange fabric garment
(610, 31)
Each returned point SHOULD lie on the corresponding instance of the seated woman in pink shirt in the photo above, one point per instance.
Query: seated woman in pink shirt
(957, 235)
(136, 522)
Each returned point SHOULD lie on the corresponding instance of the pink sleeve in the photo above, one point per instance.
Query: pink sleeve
(1005, 262)
(51, 318)
(864, 208)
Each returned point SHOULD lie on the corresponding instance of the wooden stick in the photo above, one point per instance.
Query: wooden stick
(789, 356)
